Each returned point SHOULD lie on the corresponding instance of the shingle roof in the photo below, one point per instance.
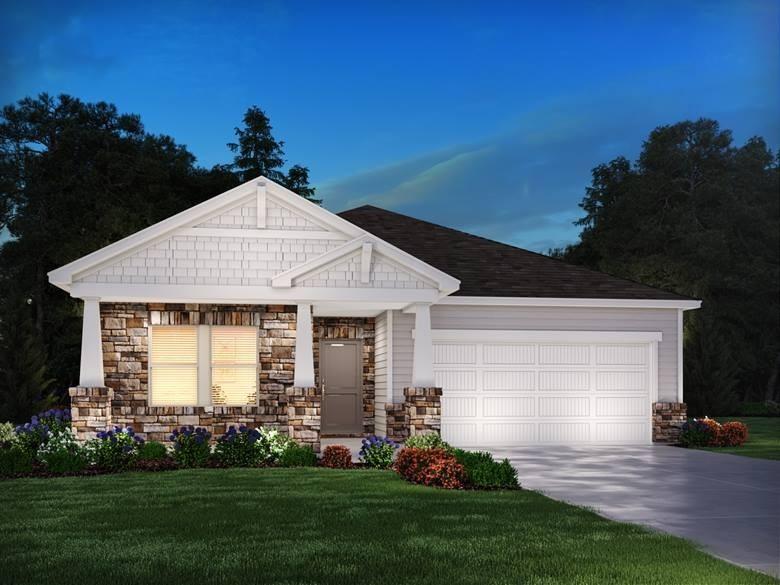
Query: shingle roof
(493, 269)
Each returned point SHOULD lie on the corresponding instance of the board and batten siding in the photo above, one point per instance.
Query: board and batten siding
(381, 357)
(541, 319)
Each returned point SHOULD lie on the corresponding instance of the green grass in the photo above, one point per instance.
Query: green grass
(322, 526)
(763, 439)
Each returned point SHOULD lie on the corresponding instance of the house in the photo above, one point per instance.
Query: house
(259, 307)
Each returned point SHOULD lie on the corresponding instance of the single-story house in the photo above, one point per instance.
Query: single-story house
(259, 307)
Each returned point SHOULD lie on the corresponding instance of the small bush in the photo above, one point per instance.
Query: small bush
(15, 459)
(151, 451)
(273, 444)
(378, 452)
(239, 447)
(191, 446)
(337, 457)
(31, 435)
(429, 441)
(298, 456)
(483, 471)
(431, 467)
(62, 453)
(733, 434)
(113, 449)
(7, 435)
(700, 433)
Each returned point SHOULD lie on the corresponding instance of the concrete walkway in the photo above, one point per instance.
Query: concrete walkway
(728, 504)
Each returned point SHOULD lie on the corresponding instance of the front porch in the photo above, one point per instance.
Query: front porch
(115, 371)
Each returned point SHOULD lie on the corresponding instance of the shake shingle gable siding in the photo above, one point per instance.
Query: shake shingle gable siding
(492, 269)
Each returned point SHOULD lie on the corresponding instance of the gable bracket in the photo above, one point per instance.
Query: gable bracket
(365, 263)
(261, 205)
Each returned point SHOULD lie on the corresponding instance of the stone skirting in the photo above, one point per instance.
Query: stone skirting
(668, 418)
(304, 406)
(418, 414)
(90, 410)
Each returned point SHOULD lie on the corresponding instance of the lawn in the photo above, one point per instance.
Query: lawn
(322, 526)
(763, 440)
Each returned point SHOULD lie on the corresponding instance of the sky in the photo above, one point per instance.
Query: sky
(483, 116)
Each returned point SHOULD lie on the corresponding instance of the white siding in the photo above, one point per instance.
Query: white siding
(542, 318)
(380, 374)
(345, 273)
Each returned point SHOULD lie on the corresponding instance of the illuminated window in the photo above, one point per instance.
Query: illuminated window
(233, 366)
(173, 366)
(226, 374)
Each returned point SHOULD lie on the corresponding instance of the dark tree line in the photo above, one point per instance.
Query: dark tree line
(698, 215)
(74, 177)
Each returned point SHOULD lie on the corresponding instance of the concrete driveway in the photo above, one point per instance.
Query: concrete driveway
(728, 504)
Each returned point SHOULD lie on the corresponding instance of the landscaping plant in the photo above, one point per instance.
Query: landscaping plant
(431, 467)
(298, 456)
(699, 433)
(14, 459)
(337, 457)
(733, 434)
(485, 472)
(191, 446)
(151, 451)
(272, 444)
(33, 434)
(429, 441)
(240, 447)
(62, 453)
(378, 452)
(113, 449)
(7, 435)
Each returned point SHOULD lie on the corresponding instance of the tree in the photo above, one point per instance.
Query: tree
(699, 216)
(258, 153)
(24, 381)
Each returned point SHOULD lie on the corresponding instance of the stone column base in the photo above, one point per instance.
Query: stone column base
(668, 419)
(397, 421)
(90, 410)
(423, 406)
(304, 408)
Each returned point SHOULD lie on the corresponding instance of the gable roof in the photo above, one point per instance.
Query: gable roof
(487, 268)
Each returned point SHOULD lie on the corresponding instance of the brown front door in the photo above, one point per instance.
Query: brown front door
(341, 378)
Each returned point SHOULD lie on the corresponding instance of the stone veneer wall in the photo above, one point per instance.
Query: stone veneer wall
(125, 358)
(418, 414)
(351, 328)
(668, 419)
(304, 406)
(90, 410)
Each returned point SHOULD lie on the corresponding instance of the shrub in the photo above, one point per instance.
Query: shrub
(298, 456)
(429, 441)
(700, 433)
(113, 449)
(15, 459)
(483, 471)
(31, 435)
(62, 453)
(239, 447)
(191, 446)
(7, 435)
(733, 434)
(273, 444)
(337, 457)
(151, 451)
(378, 452)
(432, 467)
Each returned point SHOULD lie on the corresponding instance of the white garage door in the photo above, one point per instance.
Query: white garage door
(505, 388)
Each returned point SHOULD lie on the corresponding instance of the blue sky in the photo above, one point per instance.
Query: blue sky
(483, 116)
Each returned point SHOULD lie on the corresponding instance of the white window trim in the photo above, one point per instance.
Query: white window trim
(204, 368)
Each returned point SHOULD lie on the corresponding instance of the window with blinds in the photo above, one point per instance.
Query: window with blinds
(233, 366)
(173, 366)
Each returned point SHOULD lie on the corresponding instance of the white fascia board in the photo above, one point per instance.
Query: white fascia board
(261, 233)
(447, 284)
(353, 309)
(260, 295)
(571, 302)
(519, 336)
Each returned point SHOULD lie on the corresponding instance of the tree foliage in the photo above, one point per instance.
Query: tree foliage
(699, 216)
(77, 176)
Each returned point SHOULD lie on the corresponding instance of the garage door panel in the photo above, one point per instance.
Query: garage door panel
(564, 380)
(565, 355)
(514, 381)
(509, 406)
(517, 354)
(621, 381)
(456, 379)
(508, 433)
(621, 432)
(621, 406)
(459, 407)
(459, 433)
(454, 353)
(557, 406)
(634, 355)
(564, 432)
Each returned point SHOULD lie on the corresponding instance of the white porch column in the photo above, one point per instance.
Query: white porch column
(91, 373)
(304, 353)
(422, 365)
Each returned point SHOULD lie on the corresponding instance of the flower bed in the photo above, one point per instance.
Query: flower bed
(708, 432)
